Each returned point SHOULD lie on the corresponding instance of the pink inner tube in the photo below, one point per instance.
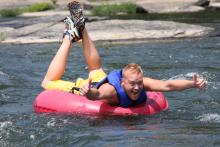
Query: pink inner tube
(55, 101)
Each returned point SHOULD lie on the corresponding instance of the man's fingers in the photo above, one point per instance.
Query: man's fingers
(83, 90)
(202, 85)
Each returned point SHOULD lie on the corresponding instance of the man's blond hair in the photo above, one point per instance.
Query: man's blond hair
(132, 67)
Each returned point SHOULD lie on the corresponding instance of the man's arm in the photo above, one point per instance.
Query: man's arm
(173, 85)
(106, 91)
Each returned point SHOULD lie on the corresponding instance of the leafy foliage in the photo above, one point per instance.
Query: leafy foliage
(33, 8)
(114, 9)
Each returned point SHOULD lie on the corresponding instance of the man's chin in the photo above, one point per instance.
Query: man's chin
(134, 97)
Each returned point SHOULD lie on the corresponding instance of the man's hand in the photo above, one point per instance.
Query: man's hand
(198, 83)
(86, 89)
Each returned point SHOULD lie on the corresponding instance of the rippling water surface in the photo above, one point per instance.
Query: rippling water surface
(193, 118)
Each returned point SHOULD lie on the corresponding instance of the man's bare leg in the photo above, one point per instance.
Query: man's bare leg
(58, 64)
(91, 54)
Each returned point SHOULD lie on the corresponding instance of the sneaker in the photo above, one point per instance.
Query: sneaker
(71, 31)
(76, 12)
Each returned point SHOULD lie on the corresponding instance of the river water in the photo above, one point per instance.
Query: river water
(193, 117)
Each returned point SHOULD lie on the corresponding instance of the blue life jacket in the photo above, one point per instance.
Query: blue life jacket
(114, 78)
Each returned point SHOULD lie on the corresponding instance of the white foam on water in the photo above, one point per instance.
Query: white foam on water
(190, 75)
(51, 123)
(4, 96)
(215, 85)
(32, 136)
(208, 78)
(183, 76)
(3, 129)
(65, 121)
(5, 124)
(4, 78)
(2, 73)
(209, 117)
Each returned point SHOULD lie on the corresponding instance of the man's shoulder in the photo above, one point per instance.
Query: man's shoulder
(107, 86)
(108, 91)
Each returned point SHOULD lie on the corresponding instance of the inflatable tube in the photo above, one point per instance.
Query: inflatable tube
(63, 102)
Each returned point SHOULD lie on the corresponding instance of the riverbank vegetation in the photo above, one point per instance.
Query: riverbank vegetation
(2, 36)
(33, 8)
(131, 11)
(206, 16)
(114, 9)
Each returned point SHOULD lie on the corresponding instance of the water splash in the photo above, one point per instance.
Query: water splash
(2, 73)
(4, 78)
(32, 136)
(210, 117)
(51, 123)
(211, 81)
(5, 124)
(183, 76)
(204, 75)
(208, 77)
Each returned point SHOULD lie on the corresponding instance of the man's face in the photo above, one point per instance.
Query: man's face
(132, 84)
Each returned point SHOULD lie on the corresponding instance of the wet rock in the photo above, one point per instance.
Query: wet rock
(203, 3)
(165, 6)
(126, 29)
(109, 30)
(47, 26)
(215, 4)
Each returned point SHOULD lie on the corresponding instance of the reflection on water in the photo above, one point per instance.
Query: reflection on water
(193, 116)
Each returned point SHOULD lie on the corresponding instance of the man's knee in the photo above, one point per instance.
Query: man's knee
(44, 84)
(97, 75)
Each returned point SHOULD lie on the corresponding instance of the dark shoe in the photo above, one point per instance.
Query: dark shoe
(77, 16)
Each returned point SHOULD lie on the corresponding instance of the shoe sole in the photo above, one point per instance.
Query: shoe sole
(76, 13)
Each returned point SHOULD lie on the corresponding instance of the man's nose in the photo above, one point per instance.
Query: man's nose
(136, 86)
